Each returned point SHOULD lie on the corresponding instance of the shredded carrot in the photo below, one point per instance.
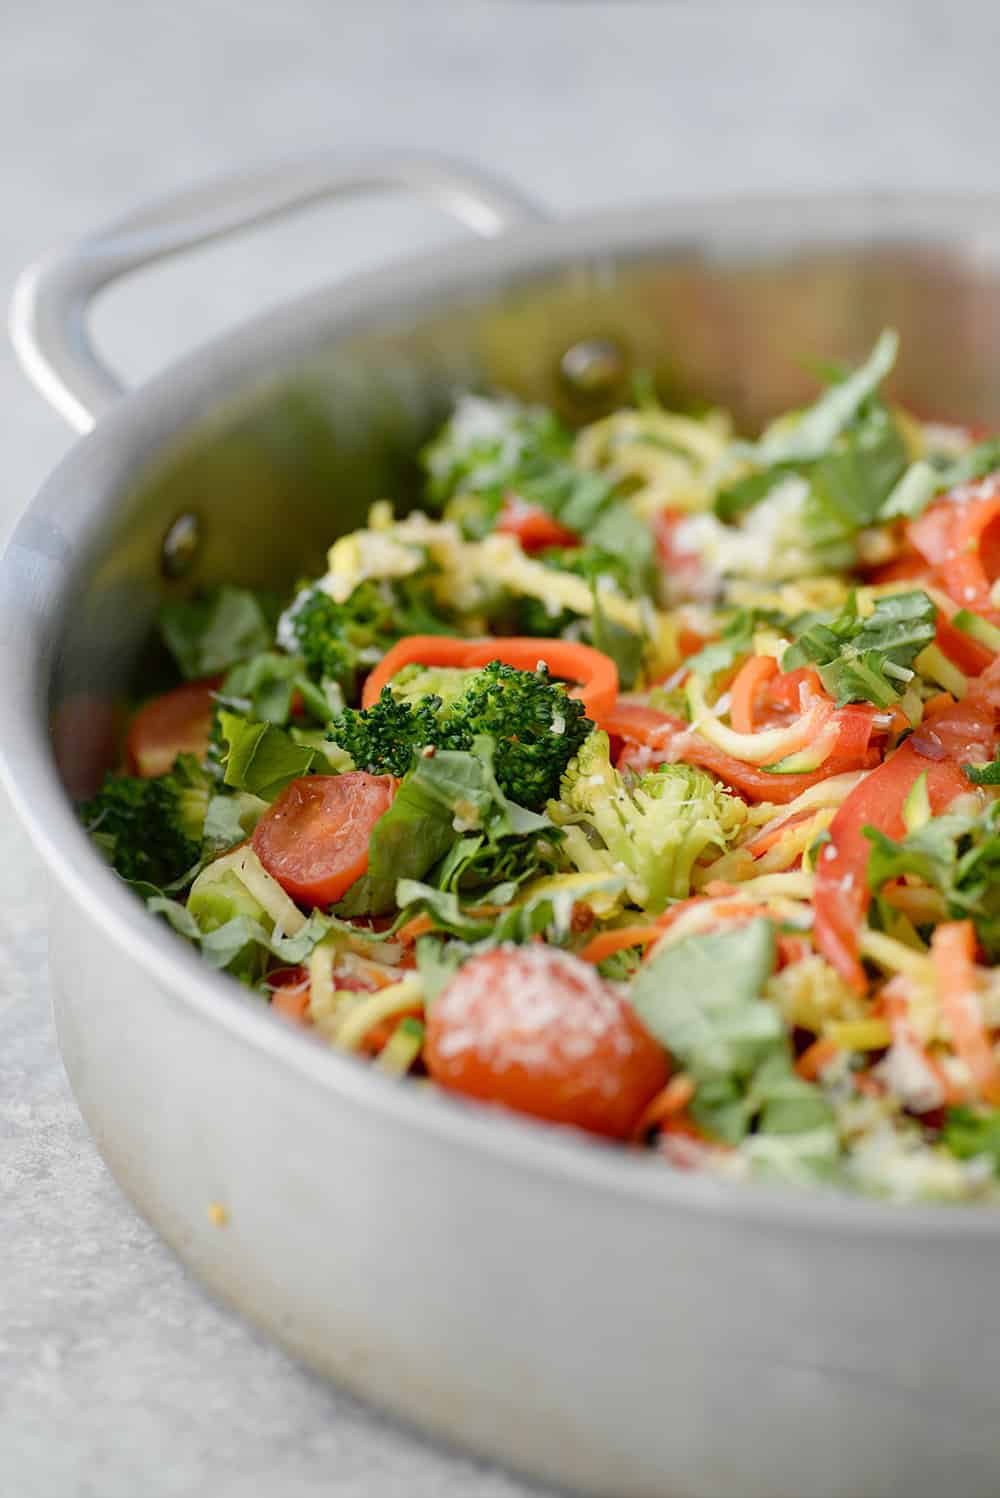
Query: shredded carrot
(953, 952)
(417, 925)
(379, 1036)
(816, 1058)
(772, 835)
(792, 949)
(743, 691)
(606, 943)
(292, 1000)
(939, 703)
(672, 1100)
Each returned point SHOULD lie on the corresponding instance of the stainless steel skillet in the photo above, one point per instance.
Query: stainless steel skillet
(582, 1314)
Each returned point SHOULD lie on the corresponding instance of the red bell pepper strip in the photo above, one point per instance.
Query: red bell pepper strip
(840, 893)
(595, 673)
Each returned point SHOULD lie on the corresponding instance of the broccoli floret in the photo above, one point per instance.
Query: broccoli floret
(151, 830)
(383, 739)
(536, 727)
(535, 724)
(653, 830)
(337, 640)
(340, 642)
(447, 683)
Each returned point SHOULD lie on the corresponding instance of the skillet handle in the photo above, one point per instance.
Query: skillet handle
(48, 318)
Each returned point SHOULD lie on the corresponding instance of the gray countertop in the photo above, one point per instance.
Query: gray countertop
(117, 1374)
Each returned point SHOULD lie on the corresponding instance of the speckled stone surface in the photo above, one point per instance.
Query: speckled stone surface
(117, 1375)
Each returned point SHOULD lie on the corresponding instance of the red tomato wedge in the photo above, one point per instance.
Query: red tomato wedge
(840, 893)
(534, 527)
(596, 674)
(951, 734)
(314, 839)
(540, 1032)
(960, 536)
(653, 738)
(179, 722)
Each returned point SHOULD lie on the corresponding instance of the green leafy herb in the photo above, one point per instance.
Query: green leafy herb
(866, 659)
(263, 759)
(438, 800)
(986, 774)
(264, 688)
(969, 1134)
(735, 641)
(955, 854)
(814, 431)
(928, 477)
(625, 648)
(207, 635)
(700, 997)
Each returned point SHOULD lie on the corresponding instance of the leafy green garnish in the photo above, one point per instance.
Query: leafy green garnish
(735, 641)
(263, 759)
(700, 997)
(265, 686)
(970, 1134)
(866, 659)
(816, 428)
(985, 774)
(207, 635)
(928, 477)
(848, 450)
(443, 800)
(955, 854)
(548, 912)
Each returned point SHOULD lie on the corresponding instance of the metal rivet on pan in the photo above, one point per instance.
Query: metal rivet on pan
(180, 545)
(594, 368)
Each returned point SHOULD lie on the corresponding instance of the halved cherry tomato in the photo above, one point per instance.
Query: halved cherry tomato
(314, 839)
(534, 527)
(653, 738)
(179, 722)
(541, 1032)
(840, 892)
(595, 673)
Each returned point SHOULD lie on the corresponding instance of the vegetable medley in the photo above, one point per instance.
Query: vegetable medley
(644, 781)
